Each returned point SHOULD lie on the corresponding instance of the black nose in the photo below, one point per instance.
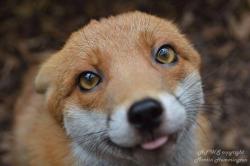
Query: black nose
(145, 114)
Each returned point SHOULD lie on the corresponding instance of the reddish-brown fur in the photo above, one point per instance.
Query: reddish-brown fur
(38, 129)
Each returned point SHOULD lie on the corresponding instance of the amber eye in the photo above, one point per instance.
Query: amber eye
(88, 80)
(166, 55)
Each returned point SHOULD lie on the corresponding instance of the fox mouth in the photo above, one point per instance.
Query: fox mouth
(159, 142)
(152, 143)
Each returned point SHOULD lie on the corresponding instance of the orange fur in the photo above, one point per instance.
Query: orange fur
(38, 128)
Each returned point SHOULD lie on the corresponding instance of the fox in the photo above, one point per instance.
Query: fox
(125, 90)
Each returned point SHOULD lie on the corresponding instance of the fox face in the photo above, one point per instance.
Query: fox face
(126, 88)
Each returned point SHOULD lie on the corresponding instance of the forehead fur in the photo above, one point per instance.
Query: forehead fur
(116, 36)
(125, 30)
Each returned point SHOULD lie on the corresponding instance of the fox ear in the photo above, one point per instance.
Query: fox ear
(46, 74)
(43, 79)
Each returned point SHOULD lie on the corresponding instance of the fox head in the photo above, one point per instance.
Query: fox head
(126, 87)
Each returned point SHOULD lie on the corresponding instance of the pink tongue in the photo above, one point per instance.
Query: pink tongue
(155, 144)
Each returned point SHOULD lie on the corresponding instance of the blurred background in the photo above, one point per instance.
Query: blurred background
(219, 30)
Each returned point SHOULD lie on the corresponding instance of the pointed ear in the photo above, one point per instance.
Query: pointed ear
(43, 79)
(46, 74)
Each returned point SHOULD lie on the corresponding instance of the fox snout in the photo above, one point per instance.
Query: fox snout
(146, 114)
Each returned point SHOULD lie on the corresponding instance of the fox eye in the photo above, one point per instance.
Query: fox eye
(166, 55)
(88, 80)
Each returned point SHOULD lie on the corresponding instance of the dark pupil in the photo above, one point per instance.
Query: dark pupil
(163, 52)
(89, 77)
